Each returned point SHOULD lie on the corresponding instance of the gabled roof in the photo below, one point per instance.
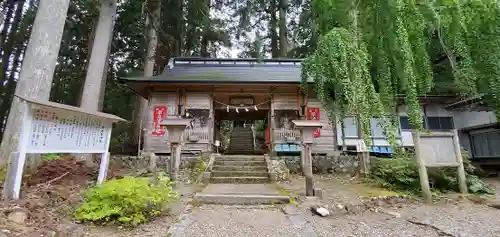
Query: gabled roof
(226, 71)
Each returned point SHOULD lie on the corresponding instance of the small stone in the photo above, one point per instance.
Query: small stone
(321, 211)
(18, 216)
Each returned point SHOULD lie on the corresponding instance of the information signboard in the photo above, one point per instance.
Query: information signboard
(49, 127)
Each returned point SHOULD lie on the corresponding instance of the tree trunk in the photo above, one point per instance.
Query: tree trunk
(206, 31)
(7, 14)
(90, 46)
(38, 68)
(363, 156)
(283, 39)
(99, 57)
(96, 72)
(11, 86)
(141, 114)
(9, 45)
(273, 22)
(7, 33)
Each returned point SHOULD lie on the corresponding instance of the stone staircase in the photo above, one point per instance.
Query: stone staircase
(239, 169)
(241, 141)
(240, 180)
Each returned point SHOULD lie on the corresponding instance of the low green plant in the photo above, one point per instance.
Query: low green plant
(51, 156)
(197, 168)
(128, 201)
(401, 173)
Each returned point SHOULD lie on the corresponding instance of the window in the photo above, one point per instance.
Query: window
(405, 123)
(486, 144)
(431, 123)
(350, 128)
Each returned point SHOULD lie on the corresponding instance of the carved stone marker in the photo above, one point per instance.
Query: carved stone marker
(49, 127)
(438, 149)
(307, 128)
(175, 132)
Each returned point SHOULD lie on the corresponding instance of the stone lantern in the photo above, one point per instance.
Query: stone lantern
(175, 130)
(307, 128)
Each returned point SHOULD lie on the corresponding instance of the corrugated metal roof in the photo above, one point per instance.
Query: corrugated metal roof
(205, 70)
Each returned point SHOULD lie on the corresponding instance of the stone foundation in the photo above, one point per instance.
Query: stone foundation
(321, 164)
(142, 162)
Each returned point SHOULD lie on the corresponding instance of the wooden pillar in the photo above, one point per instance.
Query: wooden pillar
(422, 170)
(462, 181)
(183, 109)
(272, 125)
(211, 124)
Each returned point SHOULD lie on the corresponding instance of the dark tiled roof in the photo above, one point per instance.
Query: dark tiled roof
(206, 70)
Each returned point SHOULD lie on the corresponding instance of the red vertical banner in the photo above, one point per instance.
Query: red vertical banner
(313, 114)
(159, 114)
(268, 137)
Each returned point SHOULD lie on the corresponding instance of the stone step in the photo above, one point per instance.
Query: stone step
(240, 163)
(241, 158)
(240, 180)
(240, 149)
(239, 174)
(239, 168)
(241, 199)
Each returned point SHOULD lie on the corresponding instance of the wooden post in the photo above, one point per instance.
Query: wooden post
(272, 127)
(308, 173)
(14, 176)
(462, 181)
(422, 170)
(103, 168)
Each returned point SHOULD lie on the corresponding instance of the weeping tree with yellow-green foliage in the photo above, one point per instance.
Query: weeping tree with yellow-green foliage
(373, 50)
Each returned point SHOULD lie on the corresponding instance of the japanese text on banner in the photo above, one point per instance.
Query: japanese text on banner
(313, 114)
(159, 114)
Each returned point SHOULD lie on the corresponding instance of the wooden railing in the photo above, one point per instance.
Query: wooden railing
(289, 135)
(196, 134)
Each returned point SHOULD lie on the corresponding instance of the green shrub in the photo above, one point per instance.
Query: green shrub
(50, 156)
(401, 173)
(128, 201)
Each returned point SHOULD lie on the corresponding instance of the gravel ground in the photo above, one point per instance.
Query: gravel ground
(455, 218)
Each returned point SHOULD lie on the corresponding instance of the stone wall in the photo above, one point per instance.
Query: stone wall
(321, 164)
(142, 162)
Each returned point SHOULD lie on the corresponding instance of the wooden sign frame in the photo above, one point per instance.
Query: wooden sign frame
(49, 127)
(424, 163)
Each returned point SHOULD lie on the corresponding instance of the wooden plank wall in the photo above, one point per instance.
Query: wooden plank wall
(157, 143)
(285, 101)
(325, 143)
(194, 100)
(198, 100)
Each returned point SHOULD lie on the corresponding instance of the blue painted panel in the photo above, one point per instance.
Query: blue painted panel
(383, 150)
(389, 150)
(376, 149)
(279, 148)
(286, 148)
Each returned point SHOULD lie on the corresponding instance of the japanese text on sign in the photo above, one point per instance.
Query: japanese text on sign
(313, 114)
(55, 130)
(159, 114)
